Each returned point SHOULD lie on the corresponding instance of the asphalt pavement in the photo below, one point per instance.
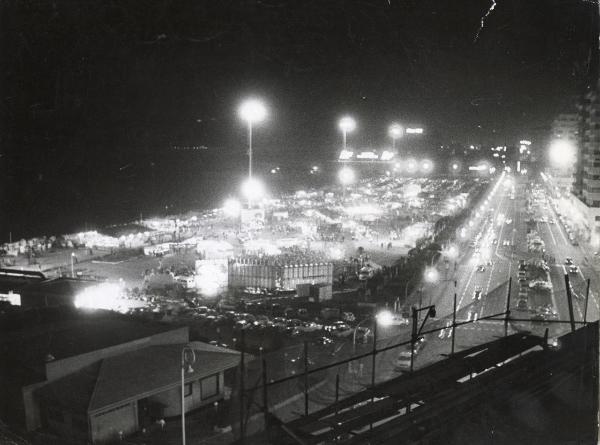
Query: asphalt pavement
(494, 243)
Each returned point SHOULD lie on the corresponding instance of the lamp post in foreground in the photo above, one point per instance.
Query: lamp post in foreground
(188, 357)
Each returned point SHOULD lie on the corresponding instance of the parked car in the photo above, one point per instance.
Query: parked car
(309, 326)
(323, 341)
(522, 305)
(348, 317)
(403, 360)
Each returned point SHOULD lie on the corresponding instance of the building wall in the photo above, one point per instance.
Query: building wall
(242, 274)
(31, 407)
(269, 276)
(172, 397)
(66, 423)
(105, 426)
(306, 274)
(586, 177)
(38, 299)
(590, 217)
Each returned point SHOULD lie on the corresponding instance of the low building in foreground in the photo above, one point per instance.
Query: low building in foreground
(95, 378)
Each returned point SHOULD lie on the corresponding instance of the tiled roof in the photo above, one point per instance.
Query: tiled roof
(73, 391)
(135, 374)
(152, 369)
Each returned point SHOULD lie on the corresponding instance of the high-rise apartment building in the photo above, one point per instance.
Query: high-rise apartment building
(565, 129)
(586, 184)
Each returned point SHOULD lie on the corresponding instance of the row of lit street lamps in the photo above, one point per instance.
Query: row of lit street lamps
(253, 111)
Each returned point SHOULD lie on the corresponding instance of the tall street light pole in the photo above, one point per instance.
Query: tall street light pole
(347, 125)
(395, 131)
(346, 176)
(249, 149)
(188, 357)
(252, 111)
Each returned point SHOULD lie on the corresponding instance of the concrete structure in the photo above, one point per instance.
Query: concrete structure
(586, 187)
(33, 290)
(315, 292)
(100, 376)
(13, 282)
(565, 127)
(270, 274)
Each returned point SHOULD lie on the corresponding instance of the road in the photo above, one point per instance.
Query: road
(496, 239)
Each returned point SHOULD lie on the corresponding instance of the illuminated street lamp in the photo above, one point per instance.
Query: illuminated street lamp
(347, 125)
(395, 131)
(431, 275)
(384, 318)
(253, 190)
(252, 111)
(427, 166)
(452, 252)
(562, 154)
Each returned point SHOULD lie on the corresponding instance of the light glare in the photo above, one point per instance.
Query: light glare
(346, 176)
(252, 111)
(396, 131)
(253, 189)
(385, 318)
(347, 124)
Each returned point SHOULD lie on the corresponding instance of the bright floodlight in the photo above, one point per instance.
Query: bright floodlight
(431, 275)
(253, 189)
(347, 124)
(346, 176)
(385, 318)
(562, 154)
(232, 207)
(412, 165)
(396, 131)
(253, 110)
(427, 166)
(109, 296)
(452, 251)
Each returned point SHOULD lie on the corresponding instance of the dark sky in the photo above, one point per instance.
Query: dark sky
(90, 87)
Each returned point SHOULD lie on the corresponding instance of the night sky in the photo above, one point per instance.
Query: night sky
(99, 97)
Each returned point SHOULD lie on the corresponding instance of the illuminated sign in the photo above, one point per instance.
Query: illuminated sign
(478, 167)
(367, 155)
(387, 155)
(12, 298)
(414, 131)
(525, 142)
(345, 155)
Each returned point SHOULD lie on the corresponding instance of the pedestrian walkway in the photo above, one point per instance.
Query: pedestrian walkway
(199, 429)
